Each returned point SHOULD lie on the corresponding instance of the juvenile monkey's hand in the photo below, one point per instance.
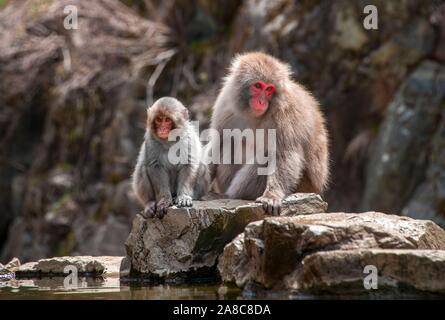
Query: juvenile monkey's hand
(271, 204)
(162, 206)
(149, 210)
(183, 201)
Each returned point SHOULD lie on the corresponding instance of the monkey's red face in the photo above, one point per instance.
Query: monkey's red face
(260, 95)
(163, 126)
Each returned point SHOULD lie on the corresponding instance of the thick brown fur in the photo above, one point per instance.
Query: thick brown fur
(302, 138)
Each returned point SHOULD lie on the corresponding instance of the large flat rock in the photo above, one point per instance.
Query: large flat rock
(191, 239)
(323, 247)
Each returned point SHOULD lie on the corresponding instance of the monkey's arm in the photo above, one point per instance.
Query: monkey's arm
(221, 119)
(142, 185)
(279, 183)
(214, 144)
(161, 188)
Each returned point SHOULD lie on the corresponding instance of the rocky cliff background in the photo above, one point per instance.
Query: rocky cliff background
(72, 103)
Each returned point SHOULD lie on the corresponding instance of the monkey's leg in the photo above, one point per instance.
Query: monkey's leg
(225, 175)
(186, 176)
(212, 171)
(246, 184)
(161, 188)
(214, 196)
(317, 169)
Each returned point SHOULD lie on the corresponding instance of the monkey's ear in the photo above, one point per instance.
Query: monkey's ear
(149, 116)
(234, 64)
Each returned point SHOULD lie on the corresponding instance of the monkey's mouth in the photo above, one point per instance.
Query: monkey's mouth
(163, 133)
(259, 106)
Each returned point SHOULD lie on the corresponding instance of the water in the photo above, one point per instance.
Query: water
(112, 288)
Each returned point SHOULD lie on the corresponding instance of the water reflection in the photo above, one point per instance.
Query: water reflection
(111, 288)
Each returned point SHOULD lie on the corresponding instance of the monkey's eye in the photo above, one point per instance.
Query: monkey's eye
(257, 85)
(270, 89)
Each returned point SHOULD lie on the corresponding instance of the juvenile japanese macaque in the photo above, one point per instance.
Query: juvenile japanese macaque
(162, 177)
(258, 93)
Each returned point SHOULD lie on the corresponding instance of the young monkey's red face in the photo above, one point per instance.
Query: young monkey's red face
(260, 95)
(163, 126)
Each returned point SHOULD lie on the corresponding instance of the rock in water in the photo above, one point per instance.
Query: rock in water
(191, 239)
(331, 250)
(5, 273)
(107, 266)
(13, 265)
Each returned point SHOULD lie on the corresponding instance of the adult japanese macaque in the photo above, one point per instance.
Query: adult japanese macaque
(258, 93)
(169, 169)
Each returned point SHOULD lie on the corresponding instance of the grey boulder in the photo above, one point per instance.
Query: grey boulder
(189, 240)
(331, 250)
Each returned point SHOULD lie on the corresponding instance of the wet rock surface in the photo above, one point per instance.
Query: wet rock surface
(189, 239)
(328, 251)
(107, 266)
